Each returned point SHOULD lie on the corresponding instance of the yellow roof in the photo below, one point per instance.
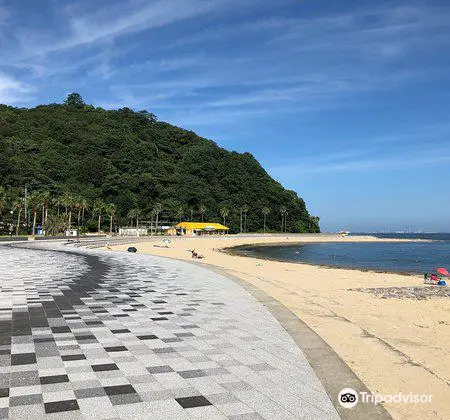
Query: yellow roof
(201, 225)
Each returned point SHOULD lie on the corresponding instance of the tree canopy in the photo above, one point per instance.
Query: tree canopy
(131, 160)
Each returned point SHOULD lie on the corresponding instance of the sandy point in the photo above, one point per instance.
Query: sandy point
(393, 345)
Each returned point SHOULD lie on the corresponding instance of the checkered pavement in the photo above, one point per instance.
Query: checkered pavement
(101, 335)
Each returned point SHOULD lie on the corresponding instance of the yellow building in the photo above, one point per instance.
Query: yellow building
(200, 228)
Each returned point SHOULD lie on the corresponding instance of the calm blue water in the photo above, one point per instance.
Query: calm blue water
(405, 257)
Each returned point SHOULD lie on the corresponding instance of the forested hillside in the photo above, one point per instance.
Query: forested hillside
(136, 163)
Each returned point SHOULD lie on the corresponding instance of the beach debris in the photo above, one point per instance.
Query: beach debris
(132, 249)
(413, 292)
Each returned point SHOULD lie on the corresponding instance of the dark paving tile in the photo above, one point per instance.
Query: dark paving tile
(116, 348)
(60, 330)
(53, 379)
(163, 350)
(60, 406)
(85, 338)
(159, 318)
(121, 331)
(124, 399)
(23, 359)
(188, 334)
(69, 357)
(191, 402)
(4, 392)
(160, 369)
(4, 413)
(94, 323)
(89, 393)
(195, 373)
(172, 340)
(119, 389)
(147, 337)
(107, 366)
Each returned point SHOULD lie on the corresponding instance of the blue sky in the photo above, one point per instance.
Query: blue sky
(346, 102)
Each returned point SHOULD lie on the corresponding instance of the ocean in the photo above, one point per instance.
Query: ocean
(403, 257)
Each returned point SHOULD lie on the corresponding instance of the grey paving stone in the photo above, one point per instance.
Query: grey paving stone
(111, 335)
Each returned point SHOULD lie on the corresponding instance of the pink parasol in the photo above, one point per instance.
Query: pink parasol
(443, 271)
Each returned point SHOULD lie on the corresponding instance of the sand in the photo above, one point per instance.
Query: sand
(393, 345)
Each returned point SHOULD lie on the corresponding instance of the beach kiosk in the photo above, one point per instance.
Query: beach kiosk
(200, 229)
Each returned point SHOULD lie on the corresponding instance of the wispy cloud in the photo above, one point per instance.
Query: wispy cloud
(353, 161)
(12, 90)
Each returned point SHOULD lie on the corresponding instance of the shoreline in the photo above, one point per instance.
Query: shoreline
(393, 345)
(235, 251)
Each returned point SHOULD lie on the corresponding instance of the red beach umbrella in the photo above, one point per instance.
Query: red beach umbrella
(443, 271)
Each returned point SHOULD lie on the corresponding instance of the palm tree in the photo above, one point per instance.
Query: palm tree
(35, 201)
(68, 202)
(3, 200)
(58, 202)
(180, 213)
(283, 212)
(56, 224)
(245, 210)
(157, 208)
(84, 204)
(18, 205)
(202, 210)
(111, 209)
(77, 205)
(265, 212)
(135, 214)
(45, 196)
(224, 212)
(99, 206)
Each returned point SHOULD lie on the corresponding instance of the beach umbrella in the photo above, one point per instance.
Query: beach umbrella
(442, 271)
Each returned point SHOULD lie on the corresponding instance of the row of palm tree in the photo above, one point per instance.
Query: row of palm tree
(66, 207)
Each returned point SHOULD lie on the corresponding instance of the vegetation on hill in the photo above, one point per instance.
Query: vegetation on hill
(86, 166)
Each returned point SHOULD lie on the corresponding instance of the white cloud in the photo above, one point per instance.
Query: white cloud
(361, 161)
(13, 91)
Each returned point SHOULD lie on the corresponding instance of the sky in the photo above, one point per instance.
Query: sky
(346, 102)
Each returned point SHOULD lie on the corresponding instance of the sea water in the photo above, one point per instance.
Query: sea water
(405, 257)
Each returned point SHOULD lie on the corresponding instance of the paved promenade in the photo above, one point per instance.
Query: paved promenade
(102, 335)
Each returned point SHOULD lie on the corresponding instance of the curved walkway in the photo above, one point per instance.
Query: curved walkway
(91, 334)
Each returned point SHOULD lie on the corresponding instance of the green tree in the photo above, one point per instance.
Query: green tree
(202, 210)
(180, 213)
(283, 212)
(18, 206)
(34, 200)
(245, 208)
(111, 209)
(3, 200)
(56, 224)
(224, 212)
(314, 224)
(98, 208)
(265, 212)
(68, 202)
(46, 201)
(157, 209)
(135, 213)
(74, 100)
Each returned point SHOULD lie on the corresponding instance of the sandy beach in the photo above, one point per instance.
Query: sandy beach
(393, 345)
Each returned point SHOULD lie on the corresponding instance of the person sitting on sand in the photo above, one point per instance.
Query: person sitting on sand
(195, 255)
